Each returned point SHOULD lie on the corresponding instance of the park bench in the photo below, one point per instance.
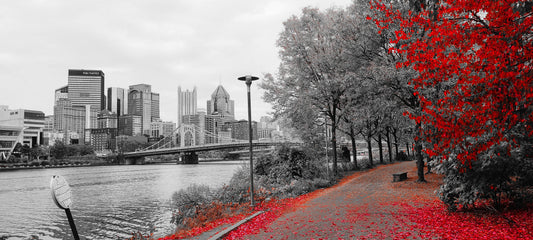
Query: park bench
(399, 176)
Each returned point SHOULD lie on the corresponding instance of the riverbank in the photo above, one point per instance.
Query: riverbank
(24, 167)
(12, 167)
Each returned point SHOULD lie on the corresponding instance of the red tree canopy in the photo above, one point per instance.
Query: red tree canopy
(474, 60)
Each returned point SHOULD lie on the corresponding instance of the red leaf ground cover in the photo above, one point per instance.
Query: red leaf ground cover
(279, 208)
(433, 219)
(369, 206)
(207, 227)
(273, 209)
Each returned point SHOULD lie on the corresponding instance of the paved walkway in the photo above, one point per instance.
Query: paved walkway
(363, 207)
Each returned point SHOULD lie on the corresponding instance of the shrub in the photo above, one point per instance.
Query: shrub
(286, 164)
(237, 190)
(364, 163)
(346, 166)
(402, 156)
(496, 179)
(187, 201)
(321, 183)
(198, 204)
(300, 187)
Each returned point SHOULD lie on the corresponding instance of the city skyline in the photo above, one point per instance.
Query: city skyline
(164, 43)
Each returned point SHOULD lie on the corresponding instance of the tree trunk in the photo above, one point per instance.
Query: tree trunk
(369, 145)
(395, 135)
(354, 148)
(418, 154)
(380, 146)
(334, 139)
(389, 143)
(407, 147)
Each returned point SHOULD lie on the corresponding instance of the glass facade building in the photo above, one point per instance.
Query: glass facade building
(86, 87)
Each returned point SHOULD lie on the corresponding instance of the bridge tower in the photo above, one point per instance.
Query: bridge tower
(187, 135)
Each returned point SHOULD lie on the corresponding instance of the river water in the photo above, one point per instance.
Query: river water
(109, 202)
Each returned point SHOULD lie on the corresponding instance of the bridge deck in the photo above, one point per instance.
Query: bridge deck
(198, 148)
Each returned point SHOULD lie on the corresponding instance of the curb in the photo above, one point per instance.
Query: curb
(224, 232)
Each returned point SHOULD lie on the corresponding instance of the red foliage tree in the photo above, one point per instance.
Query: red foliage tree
(474, 64)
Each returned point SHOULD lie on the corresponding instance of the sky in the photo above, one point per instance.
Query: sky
(164, 43)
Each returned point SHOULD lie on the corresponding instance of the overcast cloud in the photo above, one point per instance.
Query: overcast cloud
(162, 43)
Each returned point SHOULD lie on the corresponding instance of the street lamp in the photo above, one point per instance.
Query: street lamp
(248, 79)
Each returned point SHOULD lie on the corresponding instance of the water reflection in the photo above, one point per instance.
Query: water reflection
(108, 202)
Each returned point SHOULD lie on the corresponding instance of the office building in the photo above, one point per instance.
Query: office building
(187, 104)
(32, 123)
(86, 87)
(117, 101)
(48, 123)
(9, 137)
(130, 125)
(155, 106)
(240, 129)
(61, 93)
(213, 124)
(48, 129)
(74, 122)
(142, 102)
(221, 105)
(77, 105)
(103, 138)
(161, 129)
(106, 119)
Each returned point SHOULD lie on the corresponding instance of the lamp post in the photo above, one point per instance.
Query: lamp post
(248, 80)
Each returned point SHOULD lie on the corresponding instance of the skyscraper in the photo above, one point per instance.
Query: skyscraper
(221, 104)
(76, 105)
(142, 102)
(86, 87)
(155, 106)
(117, 101)
(60, 99)
(187, 104)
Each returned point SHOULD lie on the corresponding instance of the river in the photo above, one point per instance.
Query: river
(109, 202)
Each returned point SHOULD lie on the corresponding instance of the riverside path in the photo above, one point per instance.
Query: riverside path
(364, 205)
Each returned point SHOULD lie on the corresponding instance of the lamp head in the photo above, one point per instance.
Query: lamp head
(248, 79)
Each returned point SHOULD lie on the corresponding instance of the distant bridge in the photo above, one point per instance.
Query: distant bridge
(190, 150)
(169, 145)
